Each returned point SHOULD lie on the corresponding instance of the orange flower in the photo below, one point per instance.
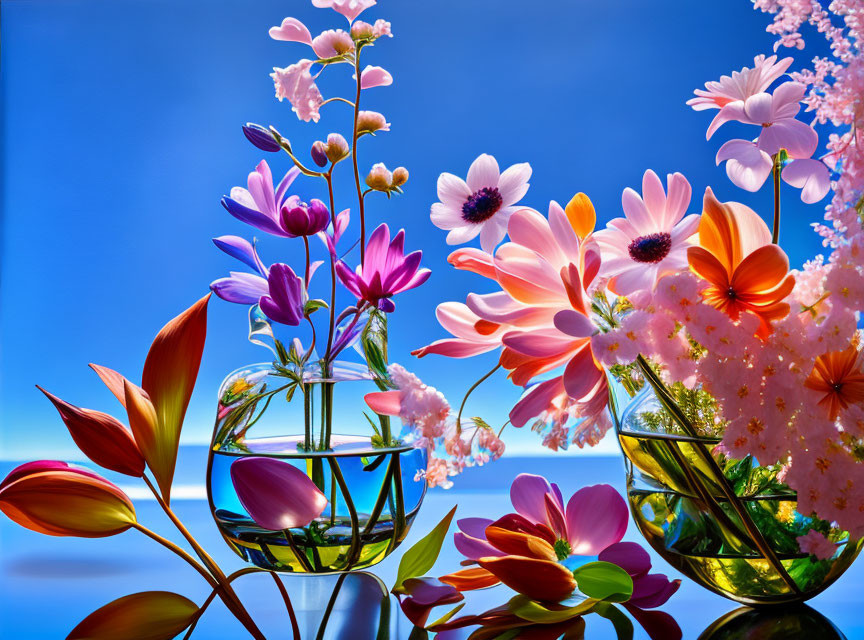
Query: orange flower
(838, 375)
(745, 272)
(58, 500)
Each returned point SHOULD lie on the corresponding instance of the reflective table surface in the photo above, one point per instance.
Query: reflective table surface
(48, 585)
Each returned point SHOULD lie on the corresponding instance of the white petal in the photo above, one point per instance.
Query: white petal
(445, 217)
(483, 173)
(513, 183)
(463, 234)
(452, 190)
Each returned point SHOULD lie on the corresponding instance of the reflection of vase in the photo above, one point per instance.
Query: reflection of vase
(772, 624)
(729, 525)
(373, 492)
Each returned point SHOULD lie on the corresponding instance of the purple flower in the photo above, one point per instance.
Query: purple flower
(260, 137)
(285, 301)
(385, 272)
(418, 596)
(278, 290)
(276, 494)
(260, 205)
(301, 219)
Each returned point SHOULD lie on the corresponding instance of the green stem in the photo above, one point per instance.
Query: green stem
(469, 392)
(354, 549)
(212, 596)
(325, 366)
(758, 539)
(308, 408)
(383, 493)
(301, 557)
(398, 517)
(354, 160)
(775, 173)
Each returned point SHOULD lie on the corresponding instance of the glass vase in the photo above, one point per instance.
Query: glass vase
(374, 485)
(729, 525)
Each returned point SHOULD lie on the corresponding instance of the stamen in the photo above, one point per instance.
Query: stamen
(482, 205)
(651, 248)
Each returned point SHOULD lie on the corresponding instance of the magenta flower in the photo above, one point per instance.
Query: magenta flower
(300, 219)
(286, 296)
(278, 290)
(386, 270)
(651, 240)
(260, 205)
(483, 204)
(276, 494)
(418, 596)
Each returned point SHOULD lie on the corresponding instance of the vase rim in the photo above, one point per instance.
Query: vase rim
(285, 447)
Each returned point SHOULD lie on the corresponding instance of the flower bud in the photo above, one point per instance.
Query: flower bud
(379, 178)
(319, 153)
(362, 30)
(260, 137)
(337, 148)
(400, 176)
(381, 28)
(55, 499)
(370, 122)
(301, 219)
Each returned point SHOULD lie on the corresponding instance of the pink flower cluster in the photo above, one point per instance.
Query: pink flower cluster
(428, 423)
(297, 84)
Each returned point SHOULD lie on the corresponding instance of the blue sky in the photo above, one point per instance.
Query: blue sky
(122, 131)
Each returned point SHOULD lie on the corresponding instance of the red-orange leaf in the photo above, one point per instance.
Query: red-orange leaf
(101, 437)
(150, 615)
(169, 376)
(112, 380)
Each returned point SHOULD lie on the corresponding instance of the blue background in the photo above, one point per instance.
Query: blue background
(122, 131)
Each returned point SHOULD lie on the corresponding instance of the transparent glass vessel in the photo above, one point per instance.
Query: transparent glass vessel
(729, 525)
(374, 492)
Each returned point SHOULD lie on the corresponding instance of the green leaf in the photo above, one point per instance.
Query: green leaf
(480, 423)
(422, 556)
(446, 617)
(604, 581)
(313, 305)
(532, 611)
(622, 624)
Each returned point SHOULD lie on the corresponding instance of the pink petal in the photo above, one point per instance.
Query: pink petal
(630, 556)
(348, 8)
(475, 527)
(530, 229)
(538, 343)
(291, 30)
(731, 111)
(492, 232)
(474, 548)
(786, 99)
(597, 517)
(276, 494)
(375, 77)
(637, 213)
(799, 139)
(537, 400)
(809, 175)
(653, 194)
(581, 373)
(527, 493)
(573, 323)
(758, 109)
(678, 198)
(746, 165)
(455, 348)
(385, 403)
(483, 172)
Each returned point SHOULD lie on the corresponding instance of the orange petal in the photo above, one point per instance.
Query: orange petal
(112, 380)
(144, 423)
(67, 502)
(101, 437)
(470, 579)
(538, 579)
(581, 215)
(730, 231)
(708, 267)
(772, 295)
(151, 615)
(761, 271)
(170, 371)
(520, 544)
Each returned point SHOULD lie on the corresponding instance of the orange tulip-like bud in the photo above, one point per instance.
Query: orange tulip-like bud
(101, 437)
(151, 615)
(538, 579)
(59, 500)
(581, 215)
(169, 376)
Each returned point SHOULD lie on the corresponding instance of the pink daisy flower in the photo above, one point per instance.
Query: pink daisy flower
(741, 85)
(483, 204)
(652, 240)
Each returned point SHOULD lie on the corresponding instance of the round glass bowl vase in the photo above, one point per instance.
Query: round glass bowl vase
(374, 491)
(728, 525)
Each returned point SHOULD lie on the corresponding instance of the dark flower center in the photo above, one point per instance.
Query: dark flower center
(650, 248)
(481, 205)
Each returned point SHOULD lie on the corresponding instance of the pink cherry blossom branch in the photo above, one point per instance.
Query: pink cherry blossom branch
(354, 158)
